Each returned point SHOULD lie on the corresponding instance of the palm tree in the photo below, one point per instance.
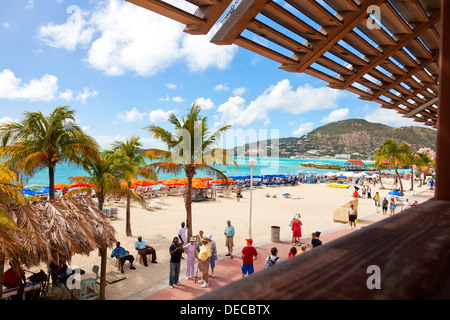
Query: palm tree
(39, 142)
(423, 162)
(395, 154)
(191, 147)
(105, 174)
(131, 150)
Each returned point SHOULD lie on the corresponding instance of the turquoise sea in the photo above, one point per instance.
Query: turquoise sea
(265, 166)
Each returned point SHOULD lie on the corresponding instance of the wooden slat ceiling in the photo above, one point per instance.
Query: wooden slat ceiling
(393, 61)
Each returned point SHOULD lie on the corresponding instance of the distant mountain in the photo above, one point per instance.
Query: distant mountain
(357, 138)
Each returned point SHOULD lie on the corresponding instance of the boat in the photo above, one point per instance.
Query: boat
(327, 166)
(307, 164)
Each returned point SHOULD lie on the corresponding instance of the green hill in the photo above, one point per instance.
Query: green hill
(356, 137)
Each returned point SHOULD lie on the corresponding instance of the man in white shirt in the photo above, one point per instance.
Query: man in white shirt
(182, 233)
(406, 205)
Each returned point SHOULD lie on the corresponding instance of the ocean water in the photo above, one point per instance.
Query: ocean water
(265, 166)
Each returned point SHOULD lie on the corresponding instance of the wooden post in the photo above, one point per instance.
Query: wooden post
(102, 273)
(443, 122)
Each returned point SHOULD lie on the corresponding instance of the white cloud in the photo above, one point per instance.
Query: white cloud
(6, 25)
(389, 117)
(178, 99)
(336, 115)
(118, 39)
(131, 116)
(5, 119)
(30, 5)
(11, 87)
(159, 115)
(280, 98)
(221, 87)
(171, 86)
(205, 104)
(304, 128)
(66, 95)
(68, 36)
(239, 91)
(86, 94)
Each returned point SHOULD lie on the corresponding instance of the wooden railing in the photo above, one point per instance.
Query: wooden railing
(406, 256)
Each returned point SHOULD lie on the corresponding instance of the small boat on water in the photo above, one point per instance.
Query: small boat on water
(307, 164)
(327, 166)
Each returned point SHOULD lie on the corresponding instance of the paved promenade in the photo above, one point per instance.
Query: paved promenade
(228, 270)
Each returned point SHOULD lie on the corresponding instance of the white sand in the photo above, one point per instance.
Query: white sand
(158, 227)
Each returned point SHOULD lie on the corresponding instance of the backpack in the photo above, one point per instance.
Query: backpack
(270, 262)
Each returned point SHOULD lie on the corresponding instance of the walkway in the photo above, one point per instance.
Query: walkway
(228, 270)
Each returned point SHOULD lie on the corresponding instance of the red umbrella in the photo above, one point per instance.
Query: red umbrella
(59, 186)
(79, 184)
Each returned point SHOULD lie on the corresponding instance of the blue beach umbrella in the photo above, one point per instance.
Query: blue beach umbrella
(28, 192)
(395, 193)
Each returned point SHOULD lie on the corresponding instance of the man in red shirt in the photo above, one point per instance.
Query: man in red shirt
(249, 254)
(11, 279)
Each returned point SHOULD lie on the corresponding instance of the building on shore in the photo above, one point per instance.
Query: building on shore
(354, 165)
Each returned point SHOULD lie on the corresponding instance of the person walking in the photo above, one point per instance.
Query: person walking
(363, 191)
(376, 198)
(384, 205)
(238, 193)
(352, 216)
(248, 255)
(175, 251)
(204, 258)
(143, 249)
(368, 190)
(191, 254)
(213, 258)
(229, 234)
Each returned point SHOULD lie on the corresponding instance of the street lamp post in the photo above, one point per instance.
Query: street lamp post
(251, 163)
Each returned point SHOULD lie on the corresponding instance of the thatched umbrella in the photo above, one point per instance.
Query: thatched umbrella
(59, 229)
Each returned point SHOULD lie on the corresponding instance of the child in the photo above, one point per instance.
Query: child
(292, 253)
(315, 239)
(248, 255)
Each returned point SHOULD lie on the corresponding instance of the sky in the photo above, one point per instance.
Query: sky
(122, 68)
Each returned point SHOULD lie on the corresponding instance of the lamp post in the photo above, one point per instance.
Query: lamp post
(251, 163)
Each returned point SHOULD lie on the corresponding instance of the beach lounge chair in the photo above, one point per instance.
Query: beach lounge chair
(270, 195)
(290, 196)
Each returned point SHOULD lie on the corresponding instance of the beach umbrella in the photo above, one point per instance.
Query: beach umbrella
(353, 188)
(222, 180)
(124, 184)
(207, 178)
(28, 192)
(144, 183)
(395, 193)
(79, 184)
(341, 176)
(171, 182)
(59, 186)
(199, 184)
(35, 187)
(44, 190)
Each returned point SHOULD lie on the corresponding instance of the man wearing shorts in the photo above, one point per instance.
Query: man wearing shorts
(204, 257)
(229, 234)
(249, 254)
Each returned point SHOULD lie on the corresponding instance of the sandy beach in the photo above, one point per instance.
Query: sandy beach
(158, 226)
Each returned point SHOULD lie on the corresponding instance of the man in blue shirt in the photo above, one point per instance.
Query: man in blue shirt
(120, 253)
(229, 233)
(143, 249)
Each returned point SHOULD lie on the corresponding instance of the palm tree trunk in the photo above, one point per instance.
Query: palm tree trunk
(103, 274)
(101, 200)
(381, 180)
(51, 177)
(412, 179)
(400, 180)
(188, 201)
(128, 222)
